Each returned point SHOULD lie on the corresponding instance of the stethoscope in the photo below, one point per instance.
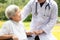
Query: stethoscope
(48, 5)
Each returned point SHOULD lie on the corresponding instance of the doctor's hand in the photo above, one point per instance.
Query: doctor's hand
(29, 33)
(15, 38)
(38, 32)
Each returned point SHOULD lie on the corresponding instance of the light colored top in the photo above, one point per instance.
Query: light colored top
(14, 28)
(45, 20)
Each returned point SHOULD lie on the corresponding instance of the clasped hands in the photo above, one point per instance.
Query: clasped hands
(37, 32)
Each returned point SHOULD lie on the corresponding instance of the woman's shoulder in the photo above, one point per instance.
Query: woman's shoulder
(21, 22)
(7, 23)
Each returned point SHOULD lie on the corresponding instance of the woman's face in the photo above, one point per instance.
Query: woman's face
(17, 16)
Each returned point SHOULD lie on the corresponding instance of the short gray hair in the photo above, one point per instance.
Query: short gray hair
(11, 10)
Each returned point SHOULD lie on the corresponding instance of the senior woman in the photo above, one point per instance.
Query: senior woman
(13, 28)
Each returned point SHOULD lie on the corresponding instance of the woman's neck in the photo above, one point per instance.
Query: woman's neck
(15, 21)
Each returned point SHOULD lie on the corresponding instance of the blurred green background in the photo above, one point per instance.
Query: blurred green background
(21, 4)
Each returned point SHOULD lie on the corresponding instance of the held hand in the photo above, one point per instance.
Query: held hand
(15, 38)
(38, 32)
(29, 33)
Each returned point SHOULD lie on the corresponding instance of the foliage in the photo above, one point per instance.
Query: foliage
(5, 3)
(21, 4)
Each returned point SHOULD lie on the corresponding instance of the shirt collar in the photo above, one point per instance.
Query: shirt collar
(15, 22)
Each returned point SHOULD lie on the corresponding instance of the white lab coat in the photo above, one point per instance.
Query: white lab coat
(45, 20)
(13, 28)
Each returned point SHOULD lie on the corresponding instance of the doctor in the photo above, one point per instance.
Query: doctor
(44, 17)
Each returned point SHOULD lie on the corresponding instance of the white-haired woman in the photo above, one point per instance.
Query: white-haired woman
(13, 28)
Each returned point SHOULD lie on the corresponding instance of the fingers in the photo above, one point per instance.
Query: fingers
(15, 38)
(29, 33)
(38, 32)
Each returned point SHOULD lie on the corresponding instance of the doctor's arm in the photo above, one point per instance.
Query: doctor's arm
(53, 19)
(26, 10)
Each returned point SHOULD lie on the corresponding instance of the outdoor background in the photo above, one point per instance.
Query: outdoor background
(21, 4)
